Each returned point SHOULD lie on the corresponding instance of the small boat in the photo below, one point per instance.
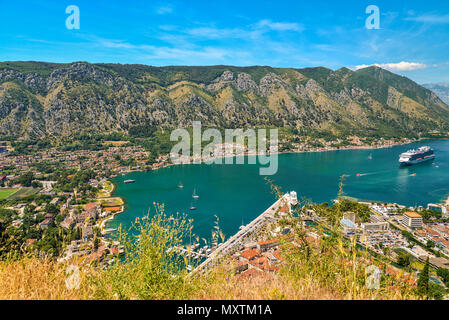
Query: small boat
(192, 205)
(359, 174)
(242, 226)
(413, 174)
(194, 195)
(129, 181)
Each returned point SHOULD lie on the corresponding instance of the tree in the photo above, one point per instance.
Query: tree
(26, 179)
(403, 259)
(51, 208)
(436, 291)
(36, 184)
(444, 275)
(96, 243)
(423, 281)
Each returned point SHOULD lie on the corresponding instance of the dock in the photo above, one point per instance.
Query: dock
(237, 240)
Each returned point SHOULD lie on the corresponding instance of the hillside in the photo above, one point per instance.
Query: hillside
(40, 99)
(324, 269)
(440, 89)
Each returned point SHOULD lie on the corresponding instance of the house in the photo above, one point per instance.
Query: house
(93, 209)
(241, 267)
(87, 233)
(266, 245)
(113, 209)
(45, 224)
(251, 273)
(68, 223)
(249, 254)
(49, 216)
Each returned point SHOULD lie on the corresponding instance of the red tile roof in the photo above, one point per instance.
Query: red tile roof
(251, 273)
(113, 209)
(262, 263)
(90, 206)
(250, 254)
(268, 242)
(277, 254)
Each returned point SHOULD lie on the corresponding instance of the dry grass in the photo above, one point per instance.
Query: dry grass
(35, 279)
(322, 269)
(267, 287)
(321, 277)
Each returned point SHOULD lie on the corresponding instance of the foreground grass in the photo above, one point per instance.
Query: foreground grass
(329, 269)
(34, 279)
(37, 279)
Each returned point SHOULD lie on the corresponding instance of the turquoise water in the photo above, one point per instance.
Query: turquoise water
(236, 193)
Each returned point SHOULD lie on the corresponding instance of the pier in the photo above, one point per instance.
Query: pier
(237, 240)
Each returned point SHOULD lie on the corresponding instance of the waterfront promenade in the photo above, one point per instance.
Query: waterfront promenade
(238, 239)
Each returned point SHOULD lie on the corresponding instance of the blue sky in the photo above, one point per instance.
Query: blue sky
(413, 38)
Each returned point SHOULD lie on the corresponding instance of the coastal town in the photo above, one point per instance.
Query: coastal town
(401, 240)
(51, 190)
(224, 159)
(404, 238)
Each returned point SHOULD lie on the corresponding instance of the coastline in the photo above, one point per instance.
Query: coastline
(285, 152)
(104, 222)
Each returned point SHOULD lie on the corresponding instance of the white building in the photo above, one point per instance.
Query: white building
(375, 226)
(412, 220)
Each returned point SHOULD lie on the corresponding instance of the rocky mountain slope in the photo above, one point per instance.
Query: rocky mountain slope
(440, 89)
(43, 99)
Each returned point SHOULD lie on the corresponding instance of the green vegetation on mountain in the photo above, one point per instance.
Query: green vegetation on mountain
(47, 100)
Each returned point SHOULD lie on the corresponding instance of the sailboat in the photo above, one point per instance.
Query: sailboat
(194, 195)
(370, 157)
(192, 207)
(180, 185)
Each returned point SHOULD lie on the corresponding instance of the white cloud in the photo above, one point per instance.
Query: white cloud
(216, 33)
(253, 31)
(401, 66)
(430, 18)
(164, 10)
(280, 26)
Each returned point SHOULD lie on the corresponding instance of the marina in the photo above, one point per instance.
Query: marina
(237, 240)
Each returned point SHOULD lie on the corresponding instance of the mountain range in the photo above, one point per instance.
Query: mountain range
(39, 99)
(440, 89)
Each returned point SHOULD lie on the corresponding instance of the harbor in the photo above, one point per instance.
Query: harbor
(236, 193)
